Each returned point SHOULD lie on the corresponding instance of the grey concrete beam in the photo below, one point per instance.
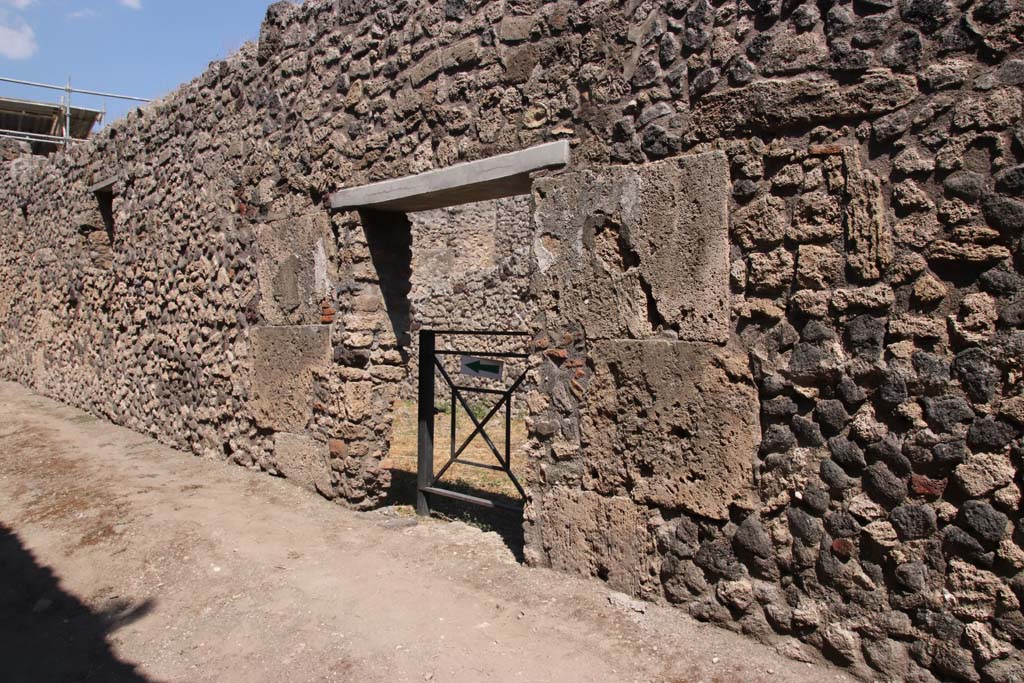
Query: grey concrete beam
(504, 175)
(105, 185)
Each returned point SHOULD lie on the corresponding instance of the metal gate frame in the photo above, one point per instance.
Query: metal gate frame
(429, 364)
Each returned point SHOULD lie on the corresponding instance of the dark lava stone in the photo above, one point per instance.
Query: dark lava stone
(1017, 585)
(779, 408)
(658, 142)
(917, 452)
(865, 335)
(1010, 626)
(956, 541)
(913, 522)
(1013, 314)
(977, 373)
(992, 11)
(903, 54)
(816, 331)
(871, 32)
(811, 362)
(716, 557)
(744, 188)
(884, 486)
(1000, 282)
(983, 521)
(773, 385)
(850, 393)
(777, 439)
(892, 390)
(912, 576)
(954, 662)
(847, 453)
(945, 412)
(966, 185)
(932, 371)
(989, 435)
(889, 451)
(1011, 181)
(928, 14)
(838, 21)
(704, 81)
(949, 454)
(684, 541)
(804, 526)
(956, 38)
(752, 538)
(1004, 213)
(834, 476)
(807, 431)
(846, 58)
(740, 70)
(831, 415)
(816, 499)
(942, 625)
(841, 525)
(1010, 670)
(709, 610)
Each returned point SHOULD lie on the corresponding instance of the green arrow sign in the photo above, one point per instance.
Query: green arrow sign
(481, 367)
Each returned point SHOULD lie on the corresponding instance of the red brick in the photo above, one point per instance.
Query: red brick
(557, 354)
(843, 547)
(929, 488)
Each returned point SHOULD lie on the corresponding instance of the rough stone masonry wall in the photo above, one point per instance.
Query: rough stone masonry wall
(778, 290)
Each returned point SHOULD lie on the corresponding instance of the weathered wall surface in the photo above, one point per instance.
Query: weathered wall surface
(778, 294)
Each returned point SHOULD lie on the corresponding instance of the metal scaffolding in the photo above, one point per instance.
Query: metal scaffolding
(62, 131)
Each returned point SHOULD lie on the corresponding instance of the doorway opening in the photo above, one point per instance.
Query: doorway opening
(452, 251)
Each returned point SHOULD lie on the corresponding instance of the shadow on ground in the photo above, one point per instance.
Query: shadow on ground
(47, 634)
(508, 525)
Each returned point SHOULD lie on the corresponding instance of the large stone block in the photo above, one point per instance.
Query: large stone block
(672, 424)
(628, 250)
(869, 236)
(773, 104)
(302, 460)
(589, 534)
(293, 269)
(282, 382)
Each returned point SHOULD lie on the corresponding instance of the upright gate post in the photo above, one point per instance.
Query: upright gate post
(425, 440)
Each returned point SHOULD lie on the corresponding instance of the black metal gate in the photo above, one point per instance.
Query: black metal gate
(429, 484)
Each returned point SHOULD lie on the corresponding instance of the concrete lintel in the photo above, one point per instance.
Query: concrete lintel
(504, 175)
(105, 185)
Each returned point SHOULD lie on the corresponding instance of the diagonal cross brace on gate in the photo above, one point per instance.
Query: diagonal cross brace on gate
(429, 364)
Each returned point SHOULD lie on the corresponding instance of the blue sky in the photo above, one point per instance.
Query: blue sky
(143, 48)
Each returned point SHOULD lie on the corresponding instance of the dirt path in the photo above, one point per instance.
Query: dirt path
(124, 560)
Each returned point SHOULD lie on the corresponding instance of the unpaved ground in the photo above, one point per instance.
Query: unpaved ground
(171, 568)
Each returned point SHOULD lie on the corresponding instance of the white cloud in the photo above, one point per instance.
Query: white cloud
(17, 39)
(21, 4)
(132, 4)
(82, 14)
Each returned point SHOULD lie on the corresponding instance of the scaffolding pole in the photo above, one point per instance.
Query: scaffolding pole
(65, 138)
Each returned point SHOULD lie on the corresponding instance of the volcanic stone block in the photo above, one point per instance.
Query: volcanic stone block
(631, 249)
(586, 533)
(292, 269)
(868, 232)
(778, 103)
(302, 460)
(285, 358)
(673, 423)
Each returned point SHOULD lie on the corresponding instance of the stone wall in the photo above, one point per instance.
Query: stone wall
(776, 296)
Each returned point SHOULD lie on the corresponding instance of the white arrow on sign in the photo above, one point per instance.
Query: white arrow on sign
(481, 367)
